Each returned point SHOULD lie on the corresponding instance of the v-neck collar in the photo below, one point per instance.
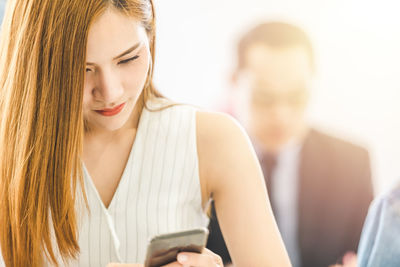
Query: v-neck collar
(123, 179)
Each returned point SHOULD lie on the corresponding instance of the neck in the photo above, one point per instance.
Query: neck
(296, 139)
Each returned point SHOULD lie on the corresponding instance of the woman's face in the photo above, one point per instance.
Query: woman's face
(117, 65)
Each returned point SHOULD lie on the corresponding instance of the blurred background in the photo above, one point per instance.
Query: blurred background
(357, 87)
(356, 90)
(355, 93)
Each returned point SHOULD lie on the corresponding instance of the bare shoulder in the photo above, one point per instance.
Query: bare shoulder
(224, 150)
(219, 134)
(212, 126)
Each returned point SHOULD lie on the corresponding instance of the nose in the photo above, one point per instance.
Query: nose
(108, 88)
(280, 112)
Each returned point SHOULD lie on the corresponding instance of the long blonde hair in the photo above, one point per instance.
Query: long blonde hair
(42, 67)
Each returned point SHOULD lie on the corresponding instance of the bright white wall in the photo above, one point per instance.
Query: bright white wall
(357, 43)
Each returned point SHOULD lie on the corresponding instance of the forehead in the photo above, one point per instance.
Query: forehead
(279, 68)
(111, 34)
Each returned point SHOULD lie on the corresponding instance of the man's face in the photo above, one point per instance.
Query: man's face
(278, 80)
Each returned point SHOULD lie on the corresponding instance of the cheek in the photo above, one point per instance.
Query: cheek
(87, 88)
(297, 116)
(134, 76)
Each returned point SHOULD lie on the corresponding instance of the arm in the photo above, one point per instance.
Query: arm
(230, 172)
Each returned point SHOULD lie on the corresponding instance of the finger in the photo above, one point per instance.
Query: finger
(196, 259)
(216, 257)
(350, 259)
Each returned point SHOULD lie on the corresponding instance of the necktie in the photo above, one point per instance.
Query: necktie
(268, 164)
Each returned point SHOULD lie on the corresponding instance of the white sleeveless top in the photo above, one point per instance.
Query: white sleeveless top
(159, 191)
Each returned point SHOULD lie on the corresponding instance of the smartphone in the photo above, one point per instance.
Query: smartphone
(163, 249)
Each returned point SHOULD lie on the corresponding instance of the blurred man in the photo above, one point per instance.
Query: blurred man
(319, 186)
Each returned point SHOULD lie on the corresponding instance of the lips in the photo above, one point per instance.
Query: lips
(111, 112)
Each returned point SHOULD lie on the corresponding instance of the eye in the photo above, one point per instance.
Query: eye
(128, 60)
(88, 70)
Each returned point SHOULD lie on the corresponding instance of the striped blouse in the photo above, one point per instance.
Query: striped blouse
(159, 191)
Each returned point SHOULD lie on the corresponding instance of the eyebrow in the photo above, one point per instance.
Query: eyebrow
(134, 47)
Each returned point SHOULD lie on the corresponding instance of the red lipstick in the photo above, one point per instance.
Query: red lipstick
(111, 112)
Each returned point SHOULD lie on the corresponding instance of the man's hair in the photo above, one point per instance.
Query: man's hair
(275, 35)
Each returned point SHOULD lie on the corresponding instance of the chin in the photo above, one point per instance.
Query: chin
(282, 140)
(112, 129)
(114, 126)
(276, 143)
(111, 125)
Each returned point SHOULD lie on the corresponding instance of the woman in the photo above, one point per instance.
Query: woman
(94, 161)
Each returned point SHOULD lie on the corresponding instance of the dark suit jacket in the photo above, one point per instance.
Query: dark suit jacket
(335, 190)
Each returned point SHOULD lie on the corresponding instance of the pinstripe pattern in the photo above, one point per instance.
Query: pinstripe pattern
(159, 191)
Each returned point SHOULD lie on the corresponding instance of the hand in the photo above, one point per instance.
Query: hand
(349, 260)
(205, 259)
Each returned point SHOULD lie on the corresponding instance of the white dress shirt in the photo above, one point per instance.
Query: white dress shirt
(285, 197)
